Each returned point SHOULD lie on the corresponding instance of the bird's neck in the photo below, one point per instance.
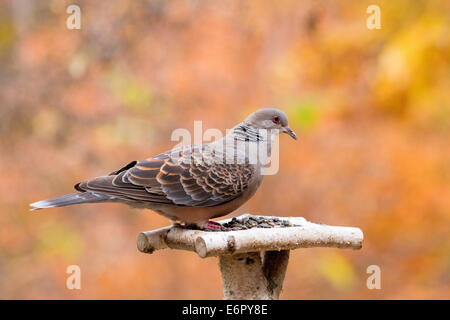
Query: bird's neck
(246, 144)
(245, 132)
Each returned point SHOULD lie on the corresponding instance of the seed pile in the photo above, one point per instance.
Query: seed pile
(250, 222)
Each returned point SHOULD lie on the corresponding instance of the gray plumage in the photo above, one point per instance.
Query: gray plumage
(190, 184)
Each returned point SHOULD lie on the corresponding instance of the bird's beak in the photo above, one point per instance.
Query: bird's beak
(289, 132)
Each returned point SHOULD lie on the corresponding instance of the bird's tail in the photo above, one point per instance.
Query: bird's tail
(69, 199)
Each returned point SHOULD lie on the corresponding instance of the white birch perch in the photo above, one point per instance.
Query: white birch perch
(253, 261)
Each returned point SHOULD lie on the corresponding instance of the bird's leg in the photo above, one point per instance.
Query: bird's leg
(213, 226)
(206, 225)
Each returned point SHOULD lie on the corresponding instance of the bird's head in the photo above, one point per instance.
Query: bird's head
(270, 118)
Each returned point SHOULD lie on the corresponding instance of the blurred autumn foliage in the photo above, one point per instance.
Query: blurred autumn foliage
(371, 108)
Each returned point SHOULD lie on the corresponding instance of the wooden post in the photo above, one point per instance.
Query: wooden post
(253, 262)
(253, 275)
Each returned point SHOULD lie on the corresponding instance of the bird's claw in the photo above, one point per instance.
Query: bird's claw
(214, 226)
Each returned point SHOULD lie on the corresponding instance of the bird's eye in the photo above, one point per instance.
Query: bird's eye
(276, 119)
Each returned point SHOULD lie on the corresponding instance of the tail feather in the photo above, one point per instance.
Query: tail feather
(69, 199)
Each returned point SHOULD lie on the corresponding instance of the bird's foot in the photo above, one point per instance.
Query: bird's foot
(214, 226)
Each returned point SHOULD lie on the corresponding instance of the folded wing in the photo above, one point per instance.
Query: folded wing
(190, 176)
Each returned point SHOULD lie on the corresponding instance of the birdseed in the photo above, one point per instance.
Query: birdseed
(236, 224)
(250, 222)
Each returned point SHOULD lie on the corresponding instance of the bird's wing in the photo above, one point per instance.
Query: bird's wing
(190, 176)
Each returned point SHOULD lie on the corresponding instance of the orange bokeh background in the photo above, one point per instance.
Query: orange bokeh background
(370, 107)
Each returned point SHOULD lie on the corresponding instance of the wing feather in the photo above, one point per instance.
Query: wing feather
(192, 179)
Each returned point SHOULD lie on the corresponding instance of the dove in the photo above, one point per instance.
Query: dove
(190, 184)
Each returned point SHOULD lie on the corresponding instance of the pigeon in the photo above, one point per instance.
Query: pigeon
(194, 183)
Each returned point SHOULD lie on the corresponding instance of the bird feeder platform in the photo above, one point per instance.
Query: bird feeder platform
(253, 257)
